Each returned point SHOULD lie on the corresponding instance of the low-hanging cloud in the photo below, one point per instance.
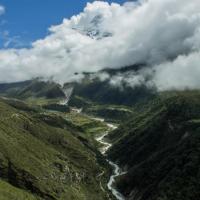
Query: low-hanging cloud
(165, 35)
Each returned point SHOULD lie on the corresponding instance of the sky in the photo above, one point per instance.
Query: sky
(25, 21)
(56, 41)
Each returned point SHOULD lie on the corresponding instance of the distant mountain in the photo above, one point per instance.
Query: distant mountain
(104, 93)
(94, 88)
(6, 87)
(32, 88)
(159, 147)
(93, 28)
(130, 68)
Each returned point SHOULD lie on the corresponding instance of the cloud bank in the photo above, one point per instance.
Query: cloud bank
(165, 35)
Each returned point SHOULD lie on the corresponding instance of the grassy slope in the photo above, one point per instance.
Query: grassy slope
(8, 192)
(160, 148)
(48, 161)
(88, 127)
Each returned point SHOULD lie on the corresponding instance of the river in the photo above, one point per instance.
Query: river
(116, 169)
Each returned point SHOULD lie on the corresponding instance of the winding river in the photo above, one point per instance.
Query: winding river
(117, 170)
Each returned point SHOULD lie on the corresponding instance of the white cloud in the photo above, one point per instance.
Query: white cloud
(163, 34)
(182, 73)
(2, 10)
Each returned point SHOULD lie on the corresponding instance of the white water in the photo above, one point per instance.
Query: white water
(117, 170)
(106, 145)
(68, 92)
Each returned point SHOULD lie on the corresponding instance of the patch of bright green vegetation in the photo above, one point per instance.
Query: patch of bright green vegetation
(89, 126)
(41, 101)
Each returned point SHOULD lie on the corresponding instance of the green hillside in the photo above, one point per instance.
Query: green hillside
(8, 191)
(32, 88)
(160, 148)
(44, 157)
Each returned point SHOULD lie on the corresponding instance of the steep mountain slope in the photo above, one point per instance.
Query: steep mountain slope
(32, 88)
(43, 157)
(103, 92)
(6, 87)
(112, 86)
(160, 148)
